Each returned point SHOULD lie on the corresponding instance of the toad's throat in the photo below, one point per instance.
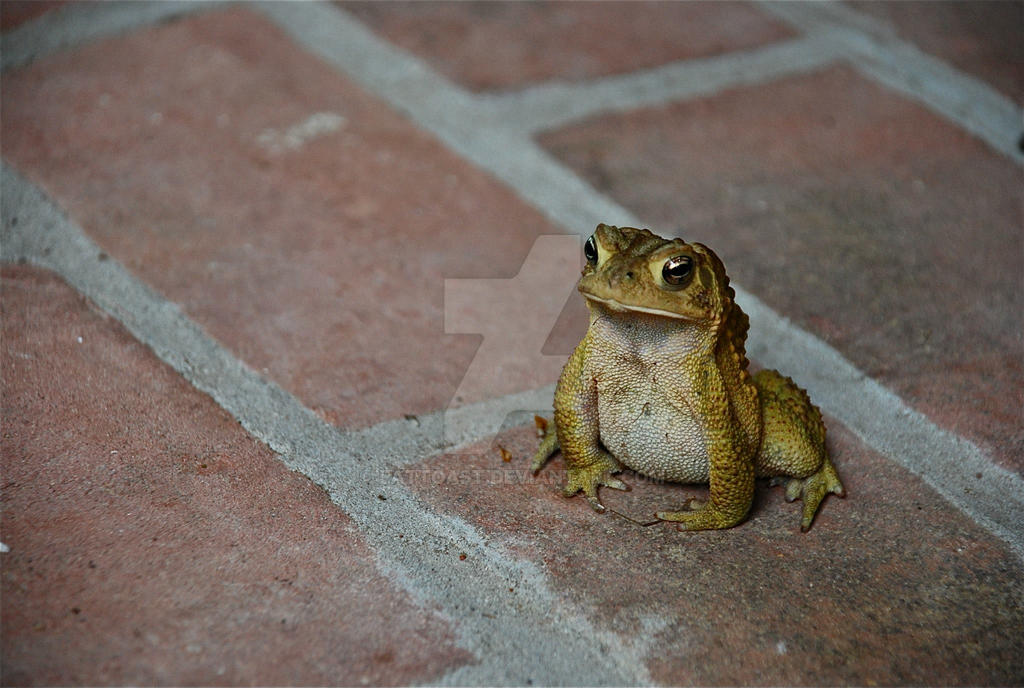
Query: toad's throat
(619, 306)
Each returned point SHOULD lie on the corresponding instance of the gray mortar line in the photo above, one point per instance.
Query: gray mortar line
(78, 23)
(554, 104)
(356, 469)
(872, 47)
(947, 462)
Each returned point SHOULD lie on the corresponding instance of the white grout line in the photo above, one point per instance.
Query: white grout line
(78, 23)
(552, 105)
(354, 468)
(947, 462)
(871, 46)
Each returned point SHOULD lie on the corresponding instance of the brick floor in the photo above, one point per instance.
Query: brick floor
(886, 231)
(310, 227)
(13, 13)
(889, 586)
(154, 542)
(494, 46)
(281, 250)
(981, 38)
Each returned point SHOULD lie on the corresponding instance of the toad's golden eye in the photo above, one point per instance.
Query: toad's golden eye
(590, 250)
(677, 270)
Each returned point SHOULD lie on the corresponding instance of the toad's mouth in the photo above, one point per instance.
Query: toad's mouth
(619, 306)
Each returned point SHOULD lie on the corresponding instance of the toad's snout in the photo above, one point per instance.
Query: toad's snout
(618, 278)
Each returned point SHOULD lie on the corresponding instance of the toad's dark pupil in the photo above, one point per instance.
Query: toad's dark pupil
(590, 250)
(677, 270)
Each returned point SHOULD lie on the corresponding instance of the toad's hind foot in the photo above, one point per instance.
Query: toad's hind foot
(793, 445)
(812, 490)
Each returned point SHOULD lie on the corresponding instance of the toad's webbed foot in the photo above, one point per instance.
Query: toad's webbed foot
(587, 478)
(812, 490)
(701, 517)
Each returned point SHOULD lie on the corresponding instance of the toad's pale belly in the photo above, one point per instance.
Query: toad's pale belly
(651, 434)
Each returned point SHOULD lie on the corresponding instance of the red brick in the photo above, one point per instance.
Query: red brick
(492, 45)
(14, 13)
(890, 586)
(154, 542)
(981, 38)
(888, 232)
(322, 266)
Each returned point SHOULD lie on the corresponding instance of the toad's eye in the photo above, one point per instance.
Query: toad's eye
(590, 250)
(677, 270)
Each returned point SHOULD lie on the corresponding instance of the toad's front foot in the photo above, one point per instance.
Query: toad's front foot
(588, 478)
(701, 516)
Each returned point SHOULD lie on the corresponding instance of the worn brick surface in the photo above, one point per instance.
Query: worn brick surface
(888, 232)
(890, 586)
(13, 13)
(982, 38)
(299, 220)
(503, 45)
(309, 227)
(154, 542)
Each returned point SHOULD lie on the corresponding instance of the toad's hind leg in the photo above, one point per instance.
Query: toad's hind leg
(793, 447)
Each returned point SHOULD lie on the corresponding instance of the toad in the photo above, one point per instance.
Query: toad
(659, 384)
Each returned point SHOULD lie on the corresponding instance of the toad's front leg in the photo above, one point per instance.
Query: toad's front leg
(588, 465)
(731, 493)
(730, 468)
